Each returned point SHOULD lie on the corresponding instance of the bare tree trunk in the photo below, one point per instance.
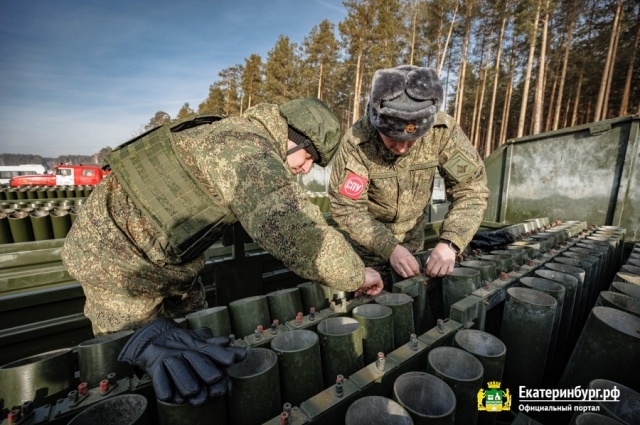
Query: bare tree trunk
(483, 85)
(565, 64)
(507, 106)
(576, 103)
(455, 100)
(439, 40)
(566, 111)
(605, 72)
(463, 71)
(472, 131)
(552, 98)
(538, 95)
(457, 113)
(474, 115)
(320, 81)
(446, 94)
(356, 89)
(624, 105)
(477, 132)
(446, 44)
(414, 19)
(605, 104)
(496, 74)
(527, 77)
(508, 95)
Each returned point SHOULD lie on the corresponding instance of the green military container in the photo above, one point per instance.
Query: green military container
(589, 172)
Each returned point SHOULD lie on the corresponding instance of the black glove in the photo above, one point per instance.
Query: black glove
(489, 240)
(182, 364)
(225, 384)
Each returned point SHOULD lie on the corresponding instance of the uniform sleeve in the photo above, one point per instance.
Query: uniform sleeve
(466, 183)
(257, 187)
(350, 211)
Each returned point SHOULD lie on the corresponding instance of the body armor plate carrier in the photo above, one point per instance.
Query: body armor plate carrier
(164, 189)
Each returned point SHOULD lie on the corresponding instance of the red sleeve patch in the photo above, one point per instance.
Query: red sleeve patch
(353, 186)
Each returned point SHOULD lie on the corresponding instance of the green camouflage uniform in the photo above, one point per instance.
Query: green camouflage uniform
(390, 207)
(131, 274)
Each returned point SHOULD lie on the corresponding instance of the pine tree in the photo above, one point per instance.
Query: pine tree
(321, 50)
(357, 41)
(185, 112)
(251, 82)
(214, 103)
(157, 120)
(280, 72)
(230, 85)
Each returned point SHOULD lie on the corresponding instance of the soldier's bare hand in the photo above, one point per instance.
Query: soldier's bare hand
(403, 262)
(441, 261)
(372, 285)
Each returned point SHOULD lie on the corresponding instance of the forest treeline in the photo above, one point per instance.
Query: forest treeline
(49, 163)
(509, 68)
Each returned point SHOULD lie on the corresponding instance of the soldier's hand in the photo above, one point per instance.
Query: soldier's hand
(372, 285)
(441, 261)
(403, 262)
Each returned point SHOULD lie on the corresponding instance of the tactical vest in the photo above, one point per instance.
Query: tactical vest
(167, 192)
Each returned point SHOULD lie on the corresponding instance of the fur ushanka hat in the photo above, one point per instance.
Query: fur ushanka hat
(404, 101)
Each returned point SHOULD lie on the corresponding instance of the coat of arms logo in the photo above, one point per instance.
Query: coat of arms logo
(494, 399)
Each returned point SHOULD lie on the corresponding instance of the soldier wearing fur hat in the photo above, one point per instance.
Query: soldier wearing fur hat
(383, 173)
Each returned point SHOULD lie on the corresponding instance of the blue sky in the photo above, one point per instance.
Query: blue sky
(77, 76)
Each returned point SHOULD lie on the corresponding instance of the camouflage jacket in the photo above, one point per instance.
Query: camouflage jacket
(379, 199)
(128, 269)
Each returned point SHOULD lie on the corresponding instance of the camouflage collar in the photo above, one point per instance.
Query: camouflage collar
(441, 120)
(364, 127)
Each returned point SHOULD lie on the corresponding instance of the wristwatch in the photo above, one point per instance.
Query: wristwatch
(451, 245)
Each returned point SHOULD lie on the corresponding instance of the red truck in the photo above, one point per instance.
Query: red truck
(64, 175)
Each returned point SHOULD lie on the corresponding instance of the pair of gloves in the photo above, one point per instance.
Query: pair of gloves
(488, 240)
(184, 366)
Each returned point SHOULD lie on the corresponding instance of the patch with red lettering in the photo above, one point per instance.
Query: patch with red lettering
(353, 186)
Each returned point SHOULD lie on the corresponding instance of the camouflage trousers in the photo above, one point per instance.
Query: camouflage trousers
(124, 287)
